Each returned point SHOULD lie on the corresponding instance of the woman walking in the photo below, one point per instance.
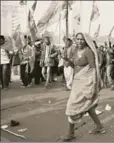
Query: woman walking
(84, 93)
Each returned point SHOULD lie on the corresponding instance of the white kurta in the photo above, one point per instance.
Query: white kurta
(4, 57)
(68, 73)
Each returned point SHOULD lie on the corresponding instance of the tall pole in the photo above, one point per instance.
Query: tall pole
(81, 16)
(59, 27)
(89, 27)
(67, 4)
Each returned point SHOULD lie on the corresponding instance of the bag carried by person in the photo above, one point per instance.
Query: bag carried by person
(17, 58)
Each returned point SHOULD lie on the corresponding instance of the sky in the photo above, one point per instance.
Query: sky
(106, 19)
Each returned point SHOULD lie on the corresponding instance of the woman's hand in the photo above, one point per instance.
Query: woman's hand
(51, 56)
(96, 88)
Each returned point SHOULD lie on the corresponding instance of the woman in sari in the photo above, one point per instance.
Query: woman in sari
(84, 93)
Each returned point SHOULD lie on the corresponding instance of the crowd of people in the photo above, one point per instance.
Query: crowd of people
(84, 66)
(43, 61)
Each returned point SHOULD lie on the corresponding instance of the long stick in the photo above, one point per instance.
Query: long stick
(59, 27)
(67, 19)
(111, 31)
(89, 27)
(21, 136)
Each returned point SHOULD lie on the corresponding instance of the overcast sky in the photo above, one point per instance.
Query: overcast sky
(106, 19)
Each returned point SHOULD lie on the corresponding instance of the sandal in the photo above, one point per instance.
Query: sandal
(67, 138)
(97, 131)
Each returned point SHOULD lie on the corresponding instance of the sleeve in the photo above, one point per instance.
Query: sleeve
(90, 58)
(73, 54)
(55, 52)
(32, 53)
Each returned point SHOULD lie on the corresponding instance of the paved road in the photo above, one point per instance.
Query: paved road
(42, 112)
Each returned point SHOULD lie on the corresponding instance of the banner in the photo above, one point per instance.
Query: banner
(31, 22)
(97, 32)
(77, 17)
(95, 12)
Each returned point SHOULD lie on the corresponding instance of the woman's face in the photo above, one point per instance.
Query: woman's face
(80, 41)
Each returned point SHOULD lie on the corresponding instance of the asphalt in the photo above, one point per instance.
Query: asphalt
(42, 112)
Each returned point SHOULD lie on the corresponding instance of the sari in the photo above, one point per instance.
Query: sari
(84, 93)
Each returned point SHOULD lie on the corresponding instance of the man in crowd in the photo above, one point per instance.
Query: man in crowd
(47, 59)
(4, 64)
(68, 62)
(102, 64)
(37, 69)
(27, 63)
(110, 64)
(61, 63)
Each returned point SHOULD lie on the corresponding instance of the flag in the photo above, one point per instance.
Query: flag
(22, 2)
(95, 12)
(16, 32)
(52, 14)
(64, 8)
(77, 17)
(17, 37)
(97, 32)
(34, 5)
(111, 31)
(31, 22)
(48, 14)
(64, 4)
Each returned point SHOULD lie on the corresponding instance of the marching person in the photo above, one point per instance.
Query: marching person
(68, 63)
(4, 64)
(48, 54)
(110, 58)
(37, 69)
(102, 64)
(27, 63)
(84, 93)
(61, 63)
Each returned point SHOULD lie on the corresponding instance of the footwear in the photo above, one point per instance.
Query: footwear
(14, 123)
(30, 85)
(112, 87)
(5, 89)
(23, 86)
(67, 138)
(97, 131)
(47, 85)
(67, 89)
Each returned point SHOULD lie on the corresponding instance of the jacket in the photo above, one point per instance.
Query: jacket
(51, 56)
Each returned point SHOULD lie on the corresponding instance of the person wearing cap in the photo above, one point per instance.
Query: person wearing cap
(4, 64)
(48, 54)
(69, 52)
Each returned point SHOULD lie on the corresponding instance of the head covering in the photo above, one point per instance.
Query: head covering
(93, 48)
(91, 45)
(2, 37)
(38, 42)
(69, 37)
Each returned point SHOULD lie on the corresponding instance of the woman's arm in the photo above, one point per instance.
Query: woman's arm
(90, 58)
(91, 61)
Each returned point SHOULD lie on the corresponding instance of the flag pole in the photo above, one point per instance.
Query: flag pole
(67, 19)
(59, 26)
(89, 27)
(111, 31)
(81, 16)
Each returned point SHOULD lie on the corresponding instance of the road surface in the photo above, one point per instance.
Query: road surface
(42, 112)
